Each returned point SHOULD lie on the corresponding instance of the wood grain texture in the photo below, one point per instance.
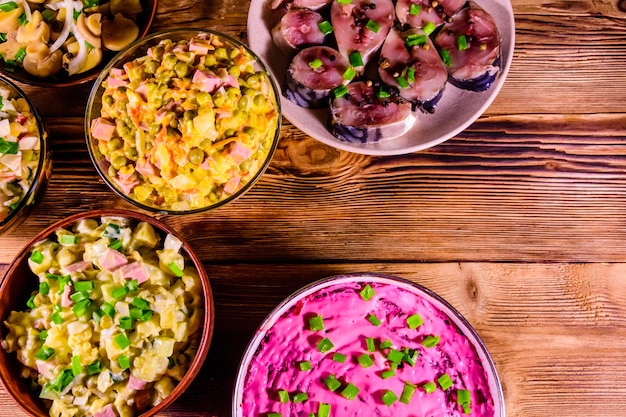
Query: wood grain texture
(519, 221)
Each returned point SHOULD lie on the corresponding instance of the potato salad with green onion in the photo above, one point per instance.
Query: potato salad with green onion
(20, 149)
(115, 321)
(188, 124)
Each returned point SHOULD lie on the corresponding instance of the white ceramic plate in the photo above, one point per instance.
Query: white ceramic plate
(455, 112)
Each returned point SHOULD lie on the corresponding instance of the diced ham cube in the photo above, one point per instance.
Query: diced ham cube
(206, 81)
(135, 270)
(77, 266)
(231, 186)
(126, 184)
(117, 72)
(199, 46)
(66, 301)
(145, 167)
(107, 411)
(102, 129)
(238, 152)
(112, 259)
(136, 383)
(116, 82)
(142, 91)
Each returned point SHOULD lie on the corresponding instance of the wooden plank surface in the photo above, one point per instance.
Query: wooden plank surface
(519, 221)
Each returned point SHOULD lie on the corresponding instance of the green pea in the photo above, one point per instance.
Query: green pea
(157, 52)
(219, 100)
(221, 54)
(234, 71)
(170, 61)
(203, 98)
(114, 144)
(118, 162)
(154, 128)
(196, 156)
(108, 100)
(244, 103)
(184, 56)
(210, 61)
(253, 81)
(189, 115)
(259, 100)
(181, 69)
(131, 153)
(173, 123)
(151, 66)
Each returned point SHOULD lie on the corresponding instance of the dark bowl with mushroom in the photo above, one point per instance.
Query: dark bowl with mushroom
(43, 45)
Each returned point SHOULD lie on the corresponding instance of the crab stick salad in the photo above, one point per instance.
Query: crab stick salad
(115, 321)
(20, 147)
(188, 124)
(363, 347)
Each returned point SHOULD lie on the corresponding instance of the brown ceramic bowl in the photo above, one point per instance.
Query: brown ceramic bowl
(19, 282)
(62, 78)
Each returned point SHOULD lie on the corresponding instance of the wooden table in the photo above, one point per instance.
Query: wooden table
(519, 222)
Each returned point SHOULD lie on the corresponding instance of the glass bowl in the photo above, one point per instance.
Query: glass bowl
(22, 185)
(183, 121)
(20, 283)
(371, 342)
(143, 21)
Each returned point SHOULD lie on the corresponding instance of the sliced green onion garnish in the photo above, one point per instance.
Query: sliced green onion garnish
(324, 409)
(121, 340)
(274, 415)
(339, 357)
(126, 323)
(140, 302)
(283, 396)
(344, 1)
(22, 20)
(146, 315)
(325, 27)
(21, 53)
(299, 397)
(316, 63)
(68, 239)
(44, 353)
(44, 288)
(325, 345)
(430, 341)
(83, 285)
(368, 292)
(371, 344)
(111, 230)
(63, 281)
(316, 323)
(355, 58)
(402, 82)
(386, 344)
(332, 382)
(395, 356)
(56, 317)
(116, 244)
(349, 74)
(91, 3)
(8, 6)
(429, 387)
(389, 398)
(388, 374)
(123, 362)
(131, 285)
(108, 309)
(445, 381)
(410, 74)
(414, 321)
(463, 396)
(53, 276)
(79, 296)
(119, 292)
(175, 269)
(97, 315)
(43, 335)
(340, 91)
(80, 309)
(365, 360)
(446, 58)
(47, 15)
(36, 257)
(414, 9)
(407, 393)
(9, 148)
(415, 40)
(30, 303)
(350, 391)
(374, 320)
(461, 42)
(305, 366)
(373, 25)
(63, 380)
(94, 367)
(410, 356)
(77, 367)
(429, 28)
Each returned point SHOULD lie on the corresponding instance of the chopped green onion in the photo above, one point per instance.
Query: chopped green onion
(365, 360)
(121, 340)
(373, 25)
(175, 269)
(324, 409)
(430, 341)
(62, 381)
(126, 323)
(305, 366)
(395, 356)
(80, 309)
(79, 296)
(410, 74)
(344, 1)
(53, 276)
(3, 38)
(108, 309)
(388, 374)
(381, 93)
(274, 415)
(389, 398)
(63, 281)
(332, 382)
(325, 26)
(350, 391)
(410, 356)
(368, 292)
(83, 285)
(414, 321)
(119, 292)
(111, 230)
(131, 285)
(463, 397)
(402, 82)
(30, 303)
(123, 362)
(339, 357)
(43, 335)
(283, 396)
(445, 56)
(407, 393)
(116, 244)
(44, 353)
(44, 288)
(355, 58)
(371, 344)
(77, 367)
(97, 315)
(316, 323)
(325, 345)
(47, 15)
(414, 9)
(374, 320)
(429, 387)
(415, 40)
(316, 63)
(461, 42)
(445, 381)
(36, 257)
(340, 91)
(91, 3)
(300, 397)
(386, 344)
(8, 6)
(68, 239)
(349, 74)
(22, 20)
(429, 28)
(140, 302)
(11, 148)
(146, 315)
(56, 317)
(94, 367)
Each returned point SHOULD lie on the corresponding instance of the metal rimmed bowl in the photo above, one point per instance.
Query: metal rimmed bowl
(24, 184)
(366, 341)
(191, 127)
(20, 282)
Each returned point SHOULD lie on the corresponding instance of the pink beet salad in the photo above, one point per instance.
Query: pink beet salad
(365, 348)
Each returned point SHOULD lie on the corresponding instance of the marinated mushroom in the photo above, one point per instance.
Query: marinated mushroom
(90, 28)
(118, 32)
(40, 62)
(35, 31)
(9, 20)
(92, 57)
